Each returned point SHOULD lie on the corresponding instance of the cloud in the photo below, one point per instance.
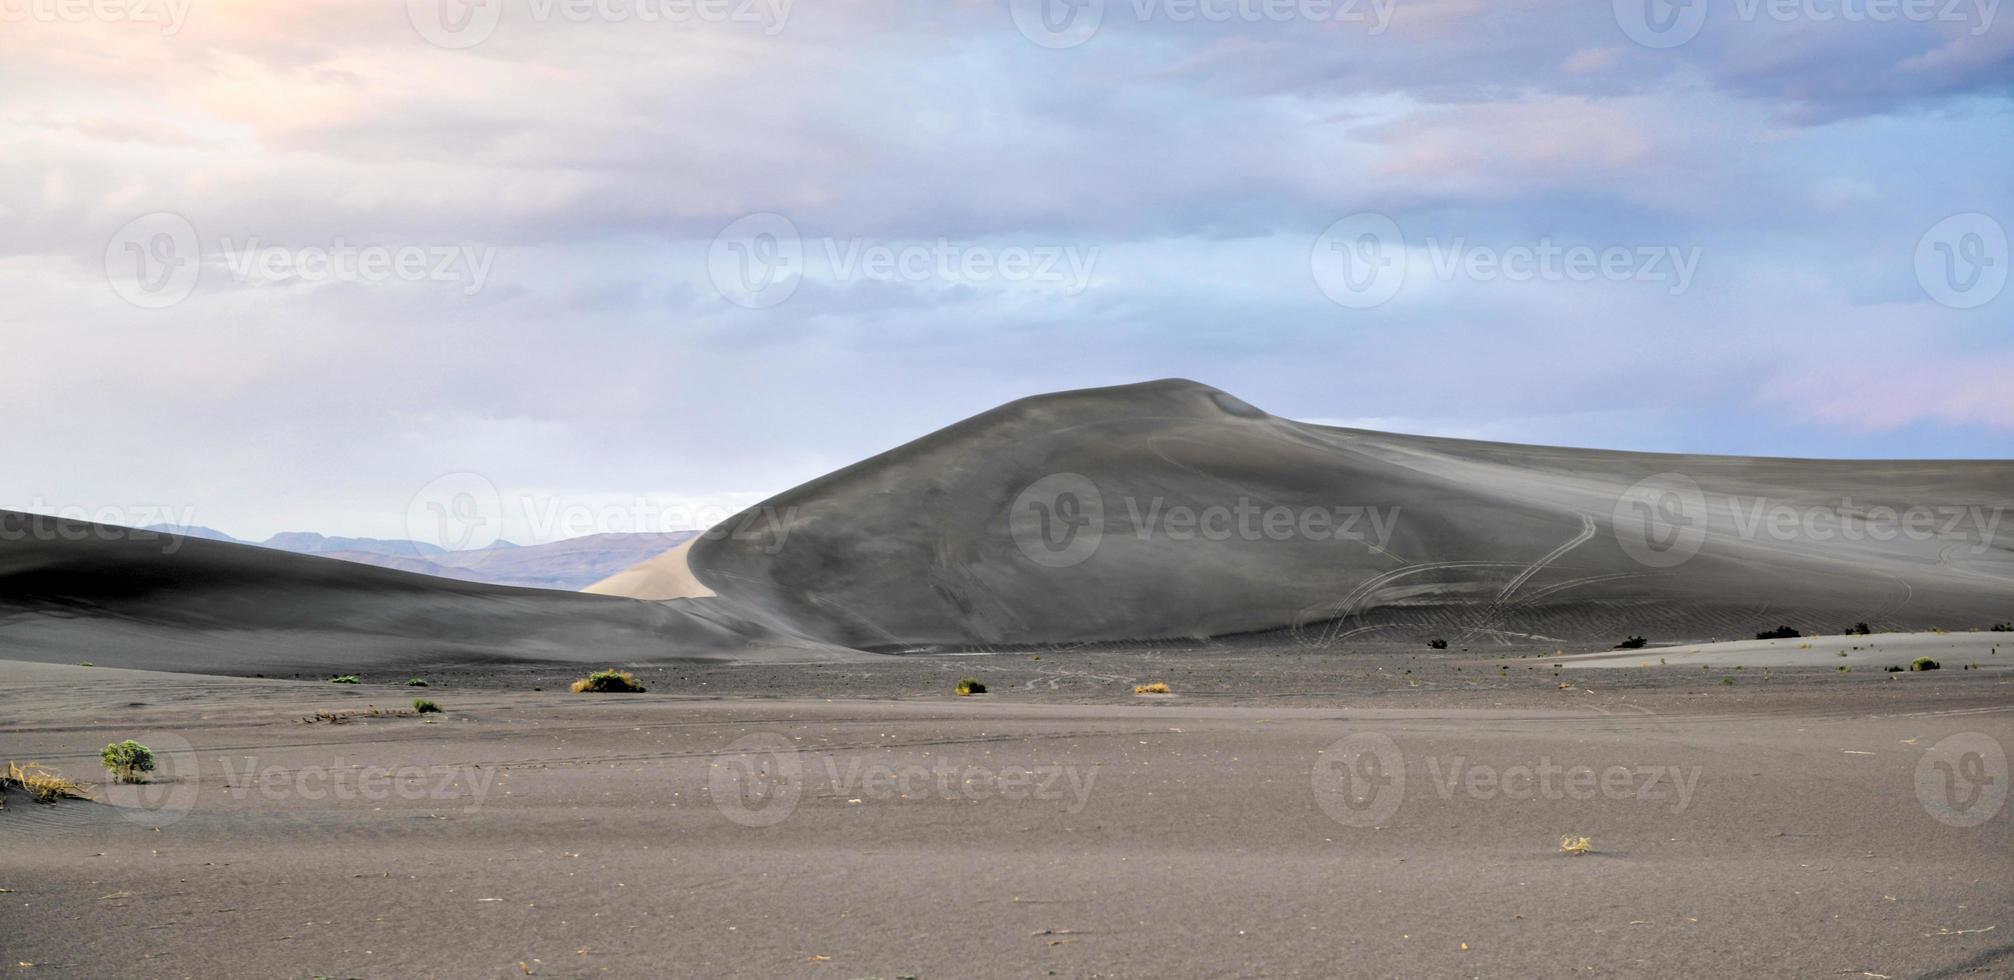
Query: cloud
(1201, 160)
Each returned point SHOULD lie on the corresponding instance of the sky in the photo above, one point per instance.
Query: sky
(603, 265)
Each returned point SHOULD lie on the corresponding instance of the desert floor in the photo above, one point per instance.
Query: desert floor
(1286, 813)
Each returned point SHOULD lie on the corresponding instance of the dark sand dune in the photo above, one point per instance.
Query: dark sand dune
(71, 591)
(1160, 511)
(1174, 510)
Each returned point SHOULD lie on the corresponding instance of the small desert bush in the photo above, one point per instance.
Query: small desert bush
(1779, 633)
(1924, 663)
(1893, 669)
(43, 784)
(1571, 844)
(1633, 643)
(968, 686)
(417, 682)
(610, 681)
(425, 707)
(1437, 644)
(1155, 688)
(128, 761)
(1858, 629)
(2003, 627)
(1729, 681)
(345, 679)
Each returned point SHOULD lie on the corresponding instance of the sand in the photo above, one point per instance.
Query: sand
(1202, 835)
(666, 576)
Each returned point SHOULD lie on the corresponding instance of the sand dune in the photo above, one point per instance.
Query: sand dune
(1161, 511)
(1173, 510)
(118, 597)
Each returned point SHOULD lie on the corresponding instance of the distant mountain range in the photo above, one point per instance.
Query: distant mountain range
(568, 565)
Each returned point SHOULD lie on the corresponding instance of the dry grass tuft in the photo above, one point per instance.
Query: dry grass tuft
(369, 711)
(1155, 688)
(46, 785)
(609, 681)
(1575, 845)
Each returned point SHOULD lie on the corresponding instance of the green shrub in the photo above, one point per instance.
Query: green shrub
(1924, 663)
(1633, 643)
(1893, 669)
(1437, 644)
(1779, 633)
(425, 707)
(968, 686)
(1729, 681)
(1858, 629)
(128, 761)
(345, 679)
(610, 681)
(416, 682)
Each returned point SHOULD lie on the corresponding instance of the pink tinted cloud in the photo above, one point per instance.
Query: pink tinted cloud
(1542, 142)
(1888, 396)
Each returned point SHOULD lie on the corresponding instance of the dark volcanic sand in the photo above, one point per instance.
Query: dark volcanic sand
(1058, 827)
